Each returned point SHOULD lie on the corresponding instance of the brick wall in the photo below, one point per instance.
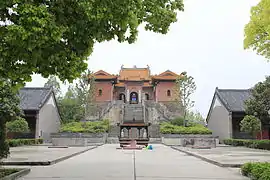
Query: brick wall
(162, 89)
(103, 91)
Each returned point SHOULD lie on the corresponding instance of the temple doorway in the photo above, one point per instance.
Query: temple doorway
(134, 98)
(146, 96)
(122, 97)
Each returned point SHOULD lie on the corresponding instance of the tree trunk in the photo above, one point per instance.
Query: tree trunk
(4, 148)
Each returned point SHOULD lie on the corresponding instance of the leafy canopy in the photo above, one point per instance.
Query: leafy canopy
(250, 124)
(69, 106)
(55, 37)
(259, 104)
(18, 125)
(257, 31)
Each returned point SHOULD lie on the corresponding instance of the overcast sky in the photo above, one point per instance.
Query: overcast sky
(207, 42)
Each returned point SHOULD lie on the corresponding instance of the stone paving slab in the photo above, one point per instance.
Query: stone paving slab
(41, 155)
(227, 156)
(108, 163)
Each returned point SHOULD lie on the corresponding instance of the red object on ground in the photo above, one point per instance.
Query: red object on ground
(133, 145)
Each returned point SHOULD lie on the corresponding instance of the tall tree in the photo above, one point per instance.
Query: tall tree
(257, 32)
(55, 84)
(259, 104)
(52, 37)
(86, 92)
(187, 87)
(9, 110)
(69, 107)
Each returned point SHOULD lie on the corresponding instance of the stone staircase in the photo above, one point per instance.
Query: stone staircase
(133, 113)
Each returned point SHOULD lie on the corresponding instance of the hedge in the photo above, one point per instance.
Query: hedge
(256, 144)
(86, 127)
(168, 128)
(5, 172)
(256, 170)
(23, 142)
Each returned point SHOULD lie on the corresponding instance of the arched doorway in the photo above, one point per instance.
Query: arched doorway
(134, 98)
(122, 97)
(146, 96)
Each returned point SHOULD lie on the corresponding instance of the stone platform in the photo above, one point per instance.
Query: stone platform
(41, 155)
(227, 156)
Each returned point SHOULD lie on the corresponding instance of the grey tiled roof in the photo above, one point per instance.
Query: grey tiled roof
(33, 98)
(234, 99)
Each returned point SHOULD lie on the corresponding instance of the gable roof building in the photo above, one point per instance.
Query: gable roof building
(232, 99)
(40, 111)
(226, 111)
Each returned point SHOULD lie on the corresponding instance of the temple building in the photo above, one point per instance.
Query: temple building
(133, 85)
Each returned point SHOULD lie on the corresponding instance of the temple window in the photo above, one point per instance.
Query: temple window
(168, 92)
(100, 92)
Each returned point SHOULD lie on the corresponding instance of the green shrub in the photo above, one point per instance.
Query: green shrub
(168, 128)
(257, 170)
(179, 121)
(86, 127)
(18, 125)
(251, 125)
(7, 171)
(257, 144)
(23, 142)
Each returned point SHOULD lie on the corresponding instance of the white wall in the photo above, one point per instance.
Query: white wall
(48, 120)
(219, 120)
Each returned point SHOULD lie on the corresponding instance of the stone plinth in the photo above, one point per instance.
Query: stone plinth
(197, 141)
(77, 139)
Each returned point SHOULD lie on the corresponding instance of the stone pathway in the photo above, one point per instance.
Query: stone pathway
(229, 156)
(107, 163)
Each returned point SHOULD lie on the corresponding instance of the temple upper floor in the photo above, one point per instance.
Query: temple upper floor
(133, 85)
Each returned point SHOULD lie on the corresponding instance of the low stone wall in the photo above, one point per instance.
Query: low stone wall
(112, 140)
(189, 140)
(77, 139)
(155, 140)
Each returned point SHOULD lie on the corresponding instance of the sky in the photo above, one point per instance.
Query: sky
(206, 41)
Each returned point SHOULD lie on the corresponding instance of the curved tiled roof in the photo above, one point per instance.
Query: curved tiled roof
(103, 75)
(234, 99)
(34, 98)
(134, 74)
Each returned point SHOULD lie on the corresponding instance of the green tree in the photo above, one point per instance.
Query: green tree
(257, 30)
(9, 110)
(251, 125)
(196, 117)
(55, 84)
(50, 37)
(17, 125)
(187, 87)
(259, 103)
(86, 94)
(69, 107)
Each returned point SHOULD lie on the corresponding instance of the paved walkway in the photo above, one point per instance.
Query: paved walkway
(107, 163)
(229, 155)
